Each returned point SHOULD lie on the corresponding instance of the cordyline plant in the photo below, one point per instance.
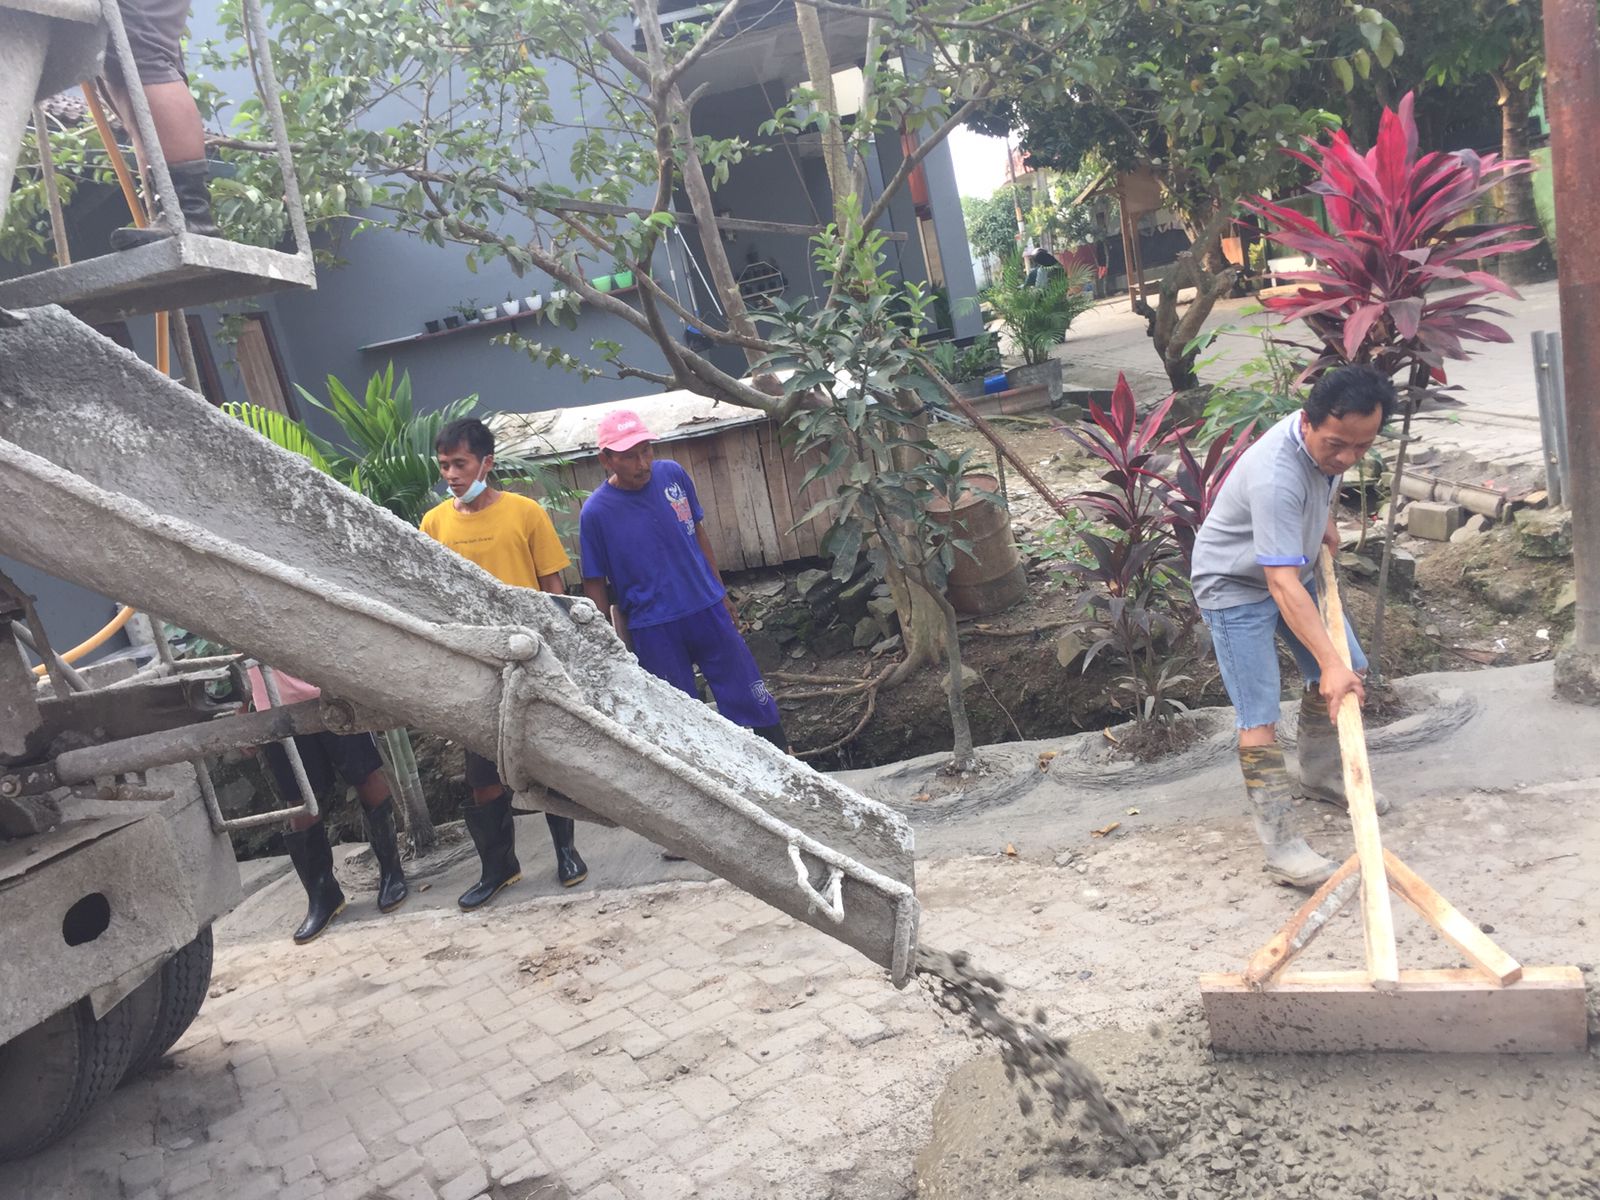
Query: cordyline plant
(1395, 235)
(1140, 607)
(1397, 232)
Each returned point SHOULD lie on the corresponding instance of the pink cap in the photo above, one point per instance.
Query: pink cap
(621, 429)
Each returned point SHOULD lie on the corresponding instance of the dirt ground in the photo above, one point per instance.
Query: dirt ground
(1475, 604)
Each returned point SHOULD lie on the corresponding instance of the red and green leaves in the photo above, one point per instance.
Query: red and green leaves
(1396, 233)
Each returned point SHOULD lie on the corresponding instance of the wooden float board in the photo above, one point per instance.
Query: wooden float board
(1444, 1011)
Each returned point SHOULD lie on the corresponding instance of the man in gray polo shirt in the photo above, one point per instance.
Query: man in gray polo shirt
(1254, 563)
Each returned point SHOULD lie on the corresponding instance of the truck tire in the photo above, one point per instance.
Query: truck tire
(54, 1073)
(181, 983)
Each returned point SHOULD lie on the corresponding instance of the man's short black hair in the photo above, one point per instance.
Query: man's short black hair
(1352, 391)
(469, 432)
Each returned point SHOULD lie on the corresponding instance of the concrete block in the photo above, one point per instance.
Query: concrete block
(1434, 521)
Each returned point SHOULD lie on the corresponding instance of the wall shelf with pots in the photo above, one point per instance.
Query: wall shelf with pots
(502, 319)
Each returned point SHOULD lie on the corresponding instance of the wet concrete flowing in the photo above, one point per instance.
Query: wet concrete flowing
(1036, 1061)
(1289, 1127)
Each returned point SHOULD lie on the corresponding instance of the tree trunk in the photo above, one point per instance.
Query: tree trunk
(394, 747)
(809, 23)
(922, 625)
(963, 755)
(1516, 197)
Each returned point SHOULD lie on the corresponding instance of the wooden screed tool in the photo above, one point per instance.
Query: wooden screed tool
(1496, 1005)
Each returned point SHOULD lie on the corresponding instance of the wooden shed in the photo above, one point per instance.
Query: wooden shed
(747, 479)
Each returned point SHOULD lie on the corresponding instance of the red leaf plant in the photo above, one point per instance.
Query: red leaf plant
(1394, 238)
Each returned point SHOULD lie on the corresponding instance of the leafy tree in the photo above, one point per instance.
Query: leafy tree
(1204, 92)
(1501, 41)
(992, 221)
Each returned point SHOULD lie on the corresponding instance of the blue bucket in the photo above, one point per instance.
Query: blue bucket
(995, 383)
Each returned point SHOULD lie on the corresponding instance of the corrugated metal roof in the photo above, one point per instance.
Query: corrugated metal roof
(570, 432)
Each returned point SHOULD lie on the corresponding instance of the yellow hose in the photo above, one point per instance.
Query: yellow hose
(89, 646)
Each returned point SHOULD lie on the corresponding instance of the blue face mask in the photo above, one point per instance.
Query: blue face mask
(474, 489)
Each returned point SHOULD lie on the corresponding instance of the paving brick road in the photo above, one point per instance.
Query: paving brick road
(684, 1040)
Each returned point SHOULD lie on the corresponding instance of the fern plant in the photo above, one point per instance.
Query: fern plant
(390, 459)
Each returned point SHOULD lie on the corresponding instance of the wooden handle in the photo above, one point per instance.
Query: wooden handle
(1377, 919)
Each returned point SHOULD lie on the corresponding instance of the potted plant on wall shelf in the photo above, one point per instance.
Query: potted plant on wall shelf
(510, 306)
(469, 311)
(1037, 316)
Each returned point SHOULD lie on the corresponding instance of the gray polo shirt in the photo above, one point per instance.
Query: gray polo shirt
(1271, 512)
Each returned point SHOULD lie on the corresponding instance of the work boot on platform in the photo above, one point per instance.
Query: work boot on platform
(570, 868)
(1266, 782)
(496, 840)
(313, 862)
(392, 887)
(189, 180)
(1321, 763)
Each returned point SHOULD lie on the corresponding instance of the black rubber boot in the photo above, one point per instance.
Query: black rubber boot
(189, 180)
(313, 862)
(774, 733)
(392, 889)
(493, 835)
(570, 867)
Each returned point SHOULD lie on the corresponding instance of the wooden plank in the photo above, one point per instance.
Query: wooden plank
(1377, 918)
(773, 468)
(1477, 946)
(1455, 1011)
(753, 504)
(694, 457)
(1301, 928)
(727, 527)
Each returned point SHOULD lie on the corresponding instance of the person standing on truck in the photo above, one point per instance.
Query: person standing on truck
(512, 538)
(643, 543)
(353, 758)
(155, 34)
(1253, 568)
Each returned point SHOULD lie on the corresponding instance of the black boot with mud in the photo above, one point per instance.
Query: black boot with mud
(570, 867)
(494, 836)
(189, 180)
(312, 857)
(392, 886)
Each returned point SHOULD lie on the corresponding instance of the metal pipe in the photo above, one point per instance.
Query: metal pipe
(1543, 380)
(52, 193)
(271, 98)
(1558, 366)
(67, 674)
(1572, 103)
(189, 742)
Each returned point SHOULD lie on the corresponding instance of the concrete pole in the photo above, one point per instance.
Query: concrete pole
(1572, 101)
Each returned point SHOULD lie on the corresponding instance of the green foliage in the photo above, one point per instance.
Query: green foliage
(1259, 392)
(1037, 316)
(969, 365)
(1204, 90)
(390, 457)
(80, 161)
(992, 221)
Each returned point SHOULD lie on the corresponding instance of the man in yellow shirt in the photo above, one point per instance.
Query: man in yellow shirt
(512, 538)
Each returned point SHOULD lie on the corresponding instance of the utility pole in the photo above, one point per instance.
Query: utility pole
(1572, 103)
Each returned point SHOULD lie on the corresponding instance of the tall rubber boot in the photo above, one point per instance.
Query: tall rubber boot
(493, 835)
(1321, 763)
(313, 862)
(570, 867)
(189, 180)
(392, 887)
(1266, 782)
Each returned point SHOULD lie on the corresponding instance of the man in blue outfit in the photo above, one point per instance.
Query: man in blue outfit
(643, 548)
(1254, 563)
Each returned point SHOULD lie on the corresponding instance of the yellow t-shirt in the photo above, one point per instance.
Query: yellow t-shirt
(513, 539)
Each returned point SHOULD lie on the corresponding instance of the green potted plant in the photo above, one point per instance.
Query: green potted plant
(1037, 316)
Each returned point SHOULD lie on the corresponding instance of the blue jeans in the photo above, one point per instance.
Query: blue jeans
(1244, 639)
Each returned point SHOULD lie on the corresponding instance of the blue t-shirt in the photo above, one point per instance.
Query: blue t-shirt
(644, 543)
